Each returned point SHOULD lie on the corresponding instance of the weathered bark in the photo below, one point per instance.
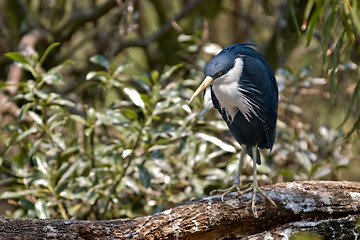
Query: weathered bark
(319, 208)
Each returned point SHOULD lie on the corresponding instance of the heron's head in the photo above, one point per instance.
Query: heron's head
(219, 67)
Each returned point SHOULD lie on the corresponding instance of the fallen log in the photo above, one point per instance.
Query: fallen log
(323, 209)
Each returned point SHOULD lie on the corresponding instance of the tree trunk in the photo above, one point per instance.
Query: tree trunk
(314, 209)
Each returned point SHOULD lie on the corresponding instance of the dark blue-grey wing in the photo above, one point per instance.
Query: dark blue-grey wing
(237, 128)
(260, 88)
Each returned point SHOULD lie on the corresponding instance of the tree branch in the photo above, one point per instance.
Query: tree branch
(314, 206)
(67, 28)
(26, 48)
(165, 28)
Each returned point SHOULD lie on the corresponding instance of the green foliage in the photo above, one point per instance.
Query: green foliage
(338, 23)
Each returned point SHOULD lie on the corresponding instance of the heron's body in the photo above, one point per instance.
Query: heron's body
(246, 96)
(245, 92)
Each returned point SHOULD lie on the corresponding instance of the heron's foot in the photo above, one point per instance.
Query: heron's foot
(254, 188)
(235, 188)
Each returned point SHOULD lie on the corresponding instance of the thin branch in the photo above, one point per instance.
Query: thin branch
(26, 48)
(165, 28)
(78, 19)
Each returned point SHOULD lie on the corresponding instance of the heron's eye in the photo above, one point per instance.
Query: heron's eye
(219, 73)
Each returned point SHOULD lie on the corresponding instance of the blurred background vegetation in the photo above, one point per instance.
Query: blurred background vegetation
(93, 105)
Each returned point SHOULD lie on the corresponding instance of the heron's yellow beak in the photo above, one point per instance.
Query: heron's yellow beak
(207, 81)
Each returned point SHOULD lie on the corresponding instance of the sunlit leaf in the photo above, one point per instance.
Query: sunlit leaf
(135, 97)
(78, 119)
(41, 209)
(28, 132)
(57, 138)
(36, 117)
(68, 173)
(100, 75)
(74, 210)
(35, 147)
(17, 194)
(100, 60)
(64, 102)
(53, 78)
(42, 164)
(130, 114)
(19, 58)
(223, 145)
(170, 72)
(155, 76)
(47, 52)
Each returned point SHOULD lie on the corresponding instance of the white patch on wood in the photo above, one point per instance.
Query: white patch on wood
(166, 212)
(297, 206)
(355, 195)
(195, 228)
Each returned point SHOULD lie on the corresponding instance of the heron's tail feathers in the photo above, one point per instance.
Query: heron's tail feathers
(249, 151)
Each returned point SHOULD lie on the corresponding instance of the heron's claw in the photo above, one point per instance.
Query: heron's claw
(235, 188)
(240, 190)
(254, 188)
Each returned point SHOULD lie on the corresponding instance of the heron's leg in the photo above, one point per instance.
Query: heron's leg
(255, 187)
(236, 185)
(237, 179)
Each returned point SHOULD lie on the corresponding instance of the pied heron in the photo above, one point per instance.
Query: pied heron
(244, 91)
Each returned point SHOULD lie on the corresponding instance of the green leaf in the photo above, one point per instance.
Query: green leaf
(42, 164)
(135, 97)
(35, 147)
(91, 114)
(41, 210)
(129, 114)
(58, 140)
(309, 6)
(100, 60)
(69, 172)
(170, 72)
(47, 51)
(35, 117)
(352, 102)
(155, 76)
(17, 194)
(355, 127)
(335, 63)
(78, 119)
(293, 15)
(354, 13)
(312, 24)
(26, 204)
(144, 82)
(223, 145)
(74, 210)
(145, 176)
(19, 58)
(52, 78)
(27, 67)
(27, 133)
(100, 75)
